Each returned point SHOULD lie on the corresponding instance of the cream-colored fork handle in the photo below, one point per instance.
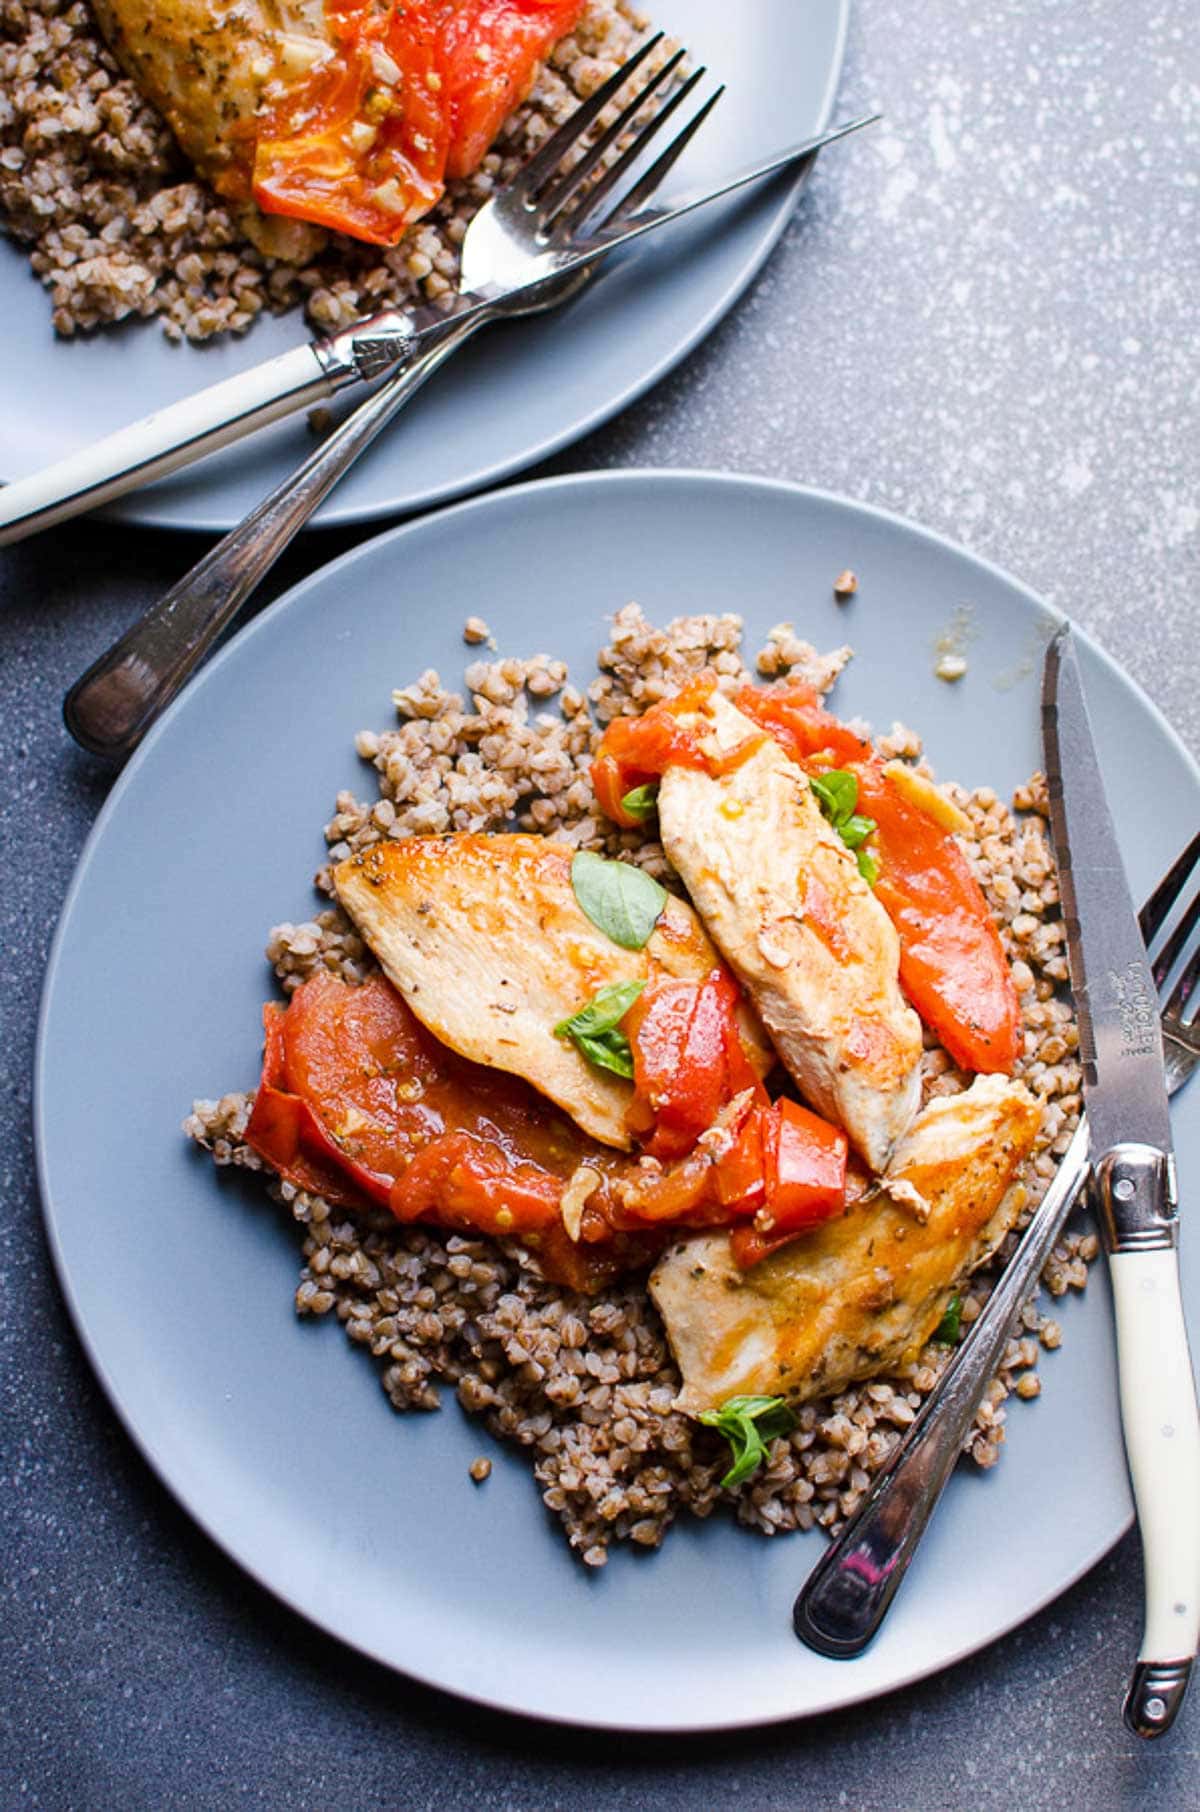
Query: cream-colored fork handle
(112, 706)
(163, 442)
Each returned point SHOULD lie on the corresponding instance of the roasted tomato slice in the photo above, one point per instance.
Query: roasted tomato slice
(952, 964)
(286, 1131)
(359, 143)
(360, 1104)
(491, 51)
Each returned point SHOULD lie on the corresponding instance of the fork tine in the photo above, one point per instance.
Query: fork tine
(1175, 1012)
(647, 184)
(555, 198)
(1177, 943)
(544, 162)
(1157, 910)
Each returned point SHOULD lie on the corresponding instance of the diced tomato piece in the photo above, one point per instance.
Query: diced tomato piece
(688, 1059)
(491, 51)
(952, 964)
(804, 1160)
(741, 1178)
(636, 750)
(610, 783)
(749, 1247)
(360, 1060)
(684, 1192)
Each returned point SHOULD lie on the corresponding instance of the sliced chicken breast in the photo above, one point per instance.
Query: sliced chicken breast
(864, 1292)
(207, 66)
(487, 943)
(784, 902)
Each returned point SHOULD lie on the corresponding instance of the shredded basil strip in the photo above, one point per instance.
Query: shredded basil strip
(622, 901)
(641, 802)
(947, 1330)
(837, 795)
(595, 1028)
(749, 1424)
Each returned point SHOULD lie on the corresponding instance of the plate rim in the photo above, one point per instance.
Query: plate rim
(632, 478)
(128, 512)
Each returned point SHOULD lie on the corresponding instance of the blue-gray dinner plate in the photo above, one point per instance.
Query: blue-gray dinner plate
(275, 1434)
(515, 395)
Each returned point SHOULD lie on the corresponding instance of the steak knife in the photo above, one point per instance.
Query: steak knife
(1133, 1183)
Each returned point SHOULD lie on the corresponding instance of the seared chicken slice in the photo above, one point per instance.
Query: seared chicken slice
(864, 1292)
(484, 938)
(784, 902)
(207, 65)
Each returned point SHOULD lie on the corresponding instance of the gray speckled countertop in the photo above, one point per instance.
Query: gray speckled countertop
(983, 316)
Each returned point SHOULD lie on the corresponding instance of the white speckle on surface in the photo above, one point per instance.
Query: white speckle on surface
(1179, 519)
(940, 142)
(1077, 474)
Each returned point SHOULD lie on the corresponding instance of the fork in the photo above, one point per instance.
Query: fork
(847, 1595)
(525, 251)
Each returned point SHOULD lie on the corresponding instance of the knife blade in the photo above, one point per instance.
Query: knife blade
(1120, 1043)
(1133, 1171)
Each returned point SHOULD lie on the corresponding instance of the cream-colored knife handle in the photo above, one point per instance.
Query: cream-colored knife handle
(1162, 1441)
(164, 441)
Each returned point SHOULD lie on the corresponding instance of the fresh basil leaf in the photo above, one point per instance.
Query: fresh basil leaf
(641, 802)
(748, 1424)
(622, 901)
(595, 1028)
(608, 1051)
(947, 1330)
(606, 1009)
(855, 830)
(838, 793)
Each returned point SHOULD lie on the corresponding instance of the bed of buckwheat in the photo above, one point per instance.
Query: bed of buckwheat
(119, 227)
(586, 1385)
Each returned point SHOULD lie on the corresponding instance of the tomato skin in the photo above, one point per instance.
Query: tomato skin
(285, 1131)
(688, 1059)
(748, 1247)
(517, 35)
(741, 1176)
(804, 1167)
(952, 964)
